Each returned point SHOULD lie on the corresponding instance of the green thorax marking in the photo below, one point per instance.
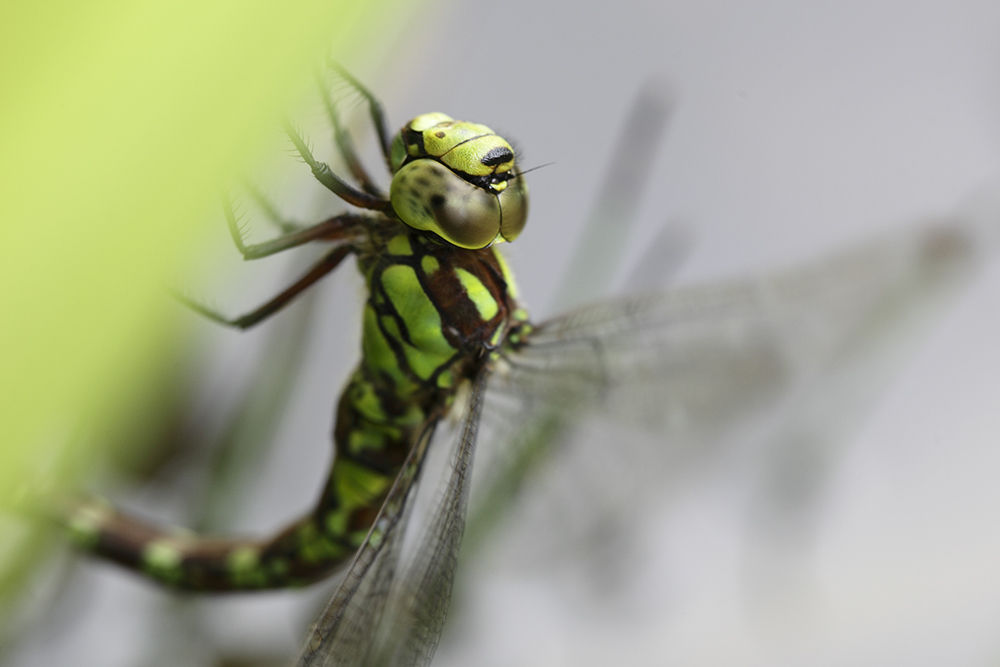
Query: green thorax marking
(433, 308)
(434, 315)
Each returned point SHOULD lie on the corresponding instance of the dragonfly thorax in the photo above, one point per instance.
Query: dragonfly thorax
(458, 181)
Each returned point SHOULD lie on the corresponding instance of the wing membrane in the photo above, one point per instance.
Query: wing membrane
(342, 635)
(695, 363)
(682, 359)
(421, 597)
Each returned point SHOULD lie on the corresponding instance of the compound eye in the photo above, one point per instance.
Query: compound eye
(513, 208)
(428, 196)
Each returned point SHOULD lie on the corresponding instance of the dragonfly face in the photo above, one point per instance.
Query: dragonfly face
(458, 181)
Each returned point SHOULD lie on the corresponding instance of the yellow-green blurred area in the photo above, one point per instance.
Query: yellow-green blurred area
(120, 125)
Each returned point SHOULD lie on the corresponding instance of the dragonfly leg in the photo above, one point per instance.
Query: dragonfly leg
(330, 180)
(270, 212)
(346, 146)
(332, 229)
(374, 110)
(320, 269)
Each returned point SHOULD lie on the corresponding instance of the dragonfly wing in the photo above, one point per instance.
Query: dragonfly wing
(696, 357)
(421, 597)
(695, 363)
(383, 613)
(342, 635)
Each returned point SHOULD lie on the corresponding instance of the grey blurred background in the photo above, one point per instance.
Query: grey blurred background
(797, 127)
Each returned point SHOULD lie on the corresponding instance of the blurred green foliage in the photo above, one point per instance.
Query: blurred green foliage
(120, 122)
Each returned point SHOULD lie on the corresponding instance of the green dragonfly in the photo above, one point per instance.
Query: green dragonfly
(447, 348)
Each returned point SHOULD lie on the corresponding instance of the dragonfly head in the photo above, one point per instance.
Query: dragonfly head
(457, 180)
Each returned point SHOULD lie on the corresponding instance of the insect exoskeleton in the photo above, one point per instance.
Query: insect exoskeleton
(457, 180)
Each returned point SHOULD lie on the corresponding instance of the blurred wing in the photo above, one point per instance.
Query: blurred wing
(601, 243)
(343, 633)
(420, 599)
(698, 356)
(695, 362)
(377, 618)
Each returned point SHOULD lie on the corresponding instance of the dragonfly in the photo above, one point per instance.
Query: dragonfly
(451, 360)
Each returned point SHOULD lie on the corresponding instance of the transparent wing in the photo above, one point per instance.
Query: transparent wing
(696, 362)
(708, 351)
(377, 616)
(681, 359)
(420, 599)
(342, 635)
